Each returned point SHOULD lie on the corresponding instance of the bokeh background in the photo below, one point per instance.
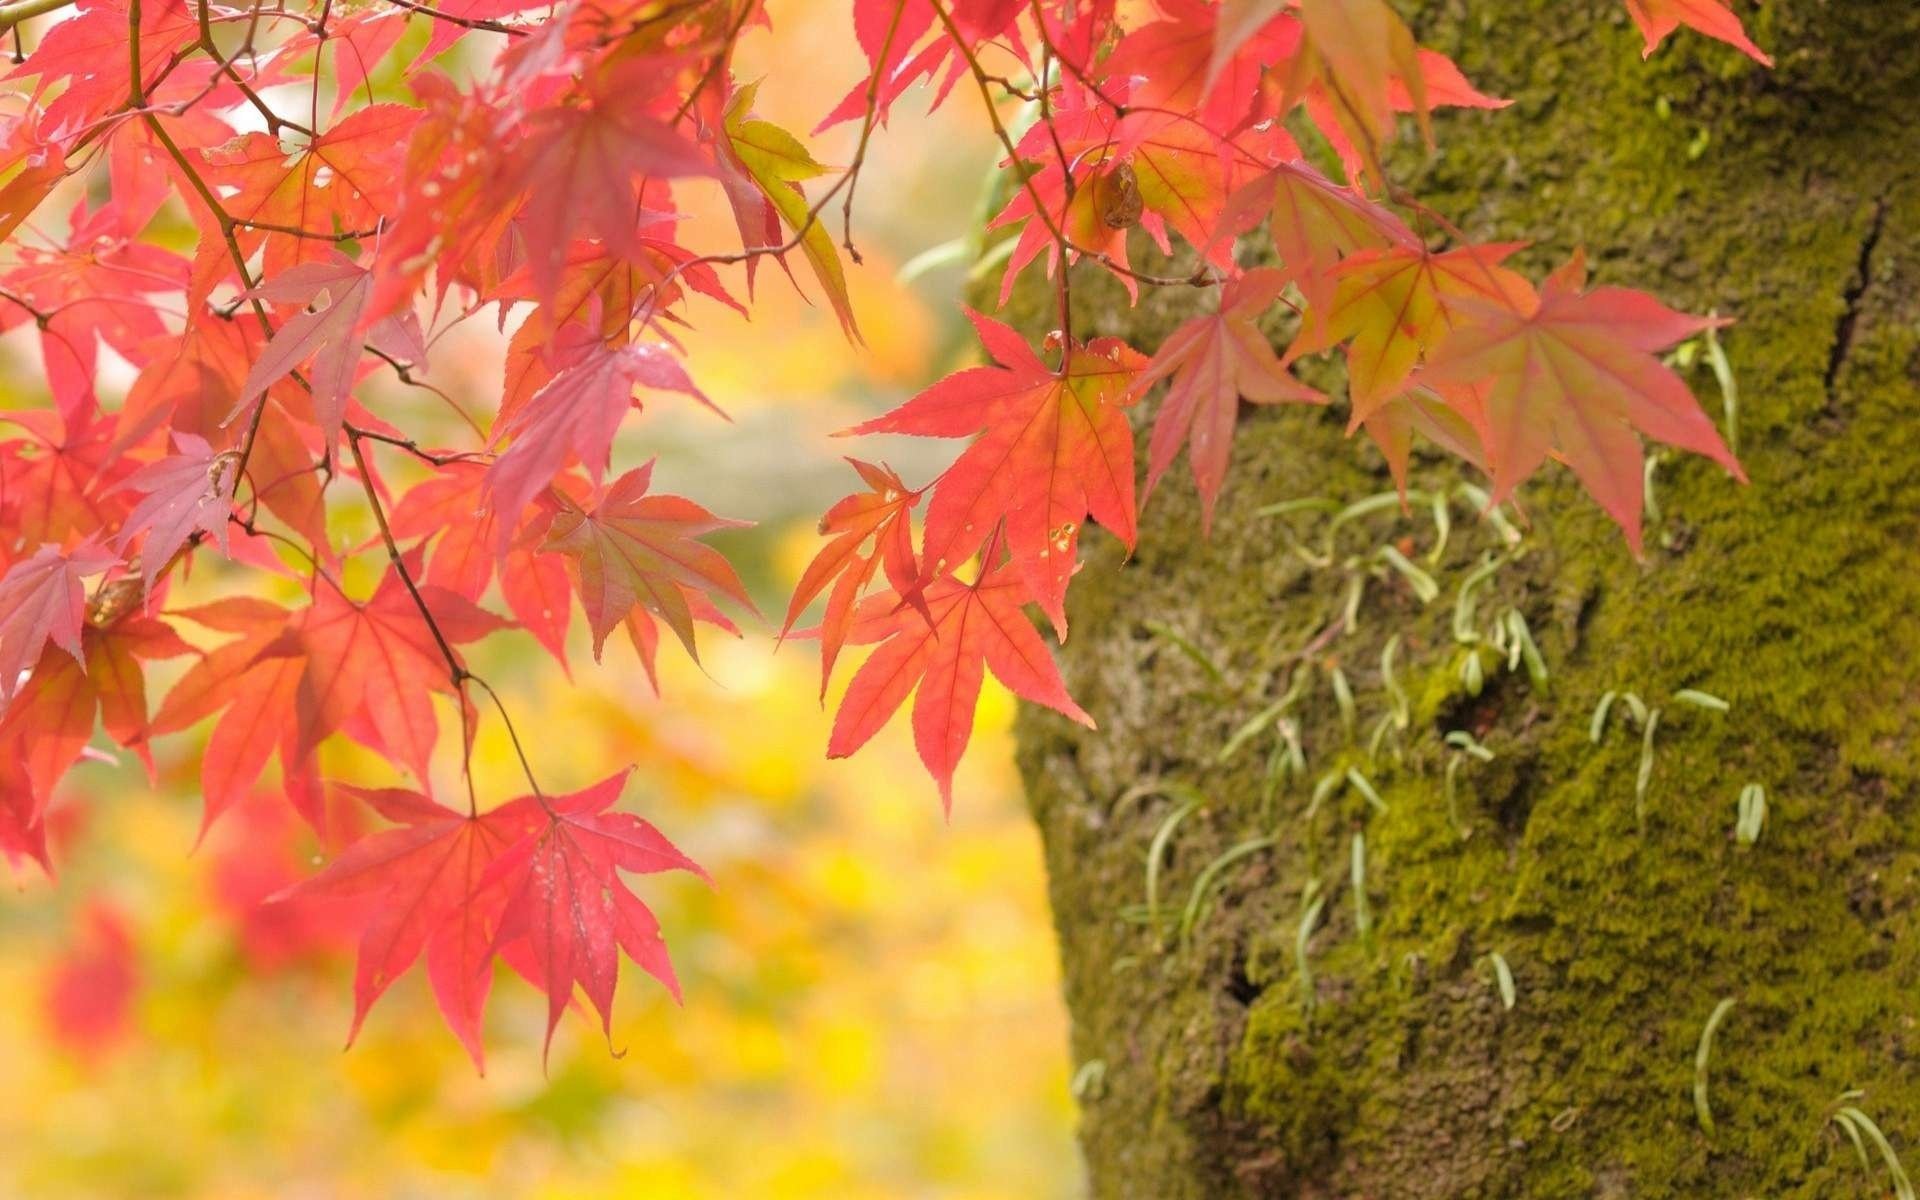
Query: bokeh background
(872, 995)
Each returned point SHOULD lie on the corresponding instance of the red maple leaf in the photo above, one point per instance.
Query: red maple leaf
(868, 529)
(1314, 223)
(424, 879)
(89, 990)
(47, 725)
(632, 551)
(1216, 360)
(293, 678)
(65, 481)
(184, 493)
(581, 165)
(368, 667)
(1576, 377)
(1054, 449)
(568, 915)
(940, 656)
(1658, 18)
(451, 509)
(576, 416)
(43, 600)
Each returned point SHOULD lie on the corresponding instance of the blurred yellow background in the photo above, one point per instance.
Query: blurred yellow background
(872, 996)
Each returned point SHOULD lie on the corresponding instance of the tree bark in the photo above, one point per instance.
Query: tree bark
(1254, 1017)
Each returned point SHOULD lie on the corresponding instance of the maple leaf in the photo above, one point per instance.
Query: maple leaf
(1314, 223)
(99, 287)
(88, 995)
(940, 656)
(776, 163)
(290, 679)
(1577, 377)
(23, 832)
(46, 726)
(880, 521)
(451, 509)
(184, 493)
(576, 415)
(579, 164)
(1658, 18)
(368, 667)
(254, 693)
(42, 600)
(1055, 448)
(65, 485)
(632, 550)
(425, 879)
(1357, 49)
(1216, 360)
(1395, 305)
(342, 182)
(1392, 424)
(328, 335)
(568, 914)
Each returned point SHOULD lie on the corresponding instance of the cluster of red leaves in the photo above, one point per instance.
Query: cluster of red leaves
(272, 222)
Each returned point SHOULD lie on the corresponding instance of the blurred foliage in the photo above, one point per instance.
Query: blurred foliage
(872, 995)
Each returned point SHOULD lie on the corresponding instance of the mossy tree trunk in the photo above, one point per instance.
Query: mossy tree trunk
(1227, 1051)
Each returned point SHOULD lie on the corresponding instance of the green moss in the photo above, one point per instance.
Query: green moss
(1793, 598)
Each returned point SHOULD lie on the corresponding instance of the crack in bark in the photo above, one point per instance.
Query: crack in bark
(1856, 290)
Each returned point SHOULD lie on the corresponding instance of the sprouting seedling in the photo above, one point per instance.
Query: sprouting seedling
(1636, 713)
(1636, 708)
(1323, 789)
(1857, 1125)
(1288, 760)
(1464, 746)
(1187, 647)
(1311, 903)
(1503, 979)
(1298, 504)
(1700, 1056)
(1442, 526)
(1090, 1081)
(1386, 727)
(1648, 500)
(1363, 507)
(1481, 502)
(1597, 728)
(1402, 708)
(1729, 389)
(1643, 780)
(1343, 697)
(1473, 673)
(1156, 855)
(1700, 699)
(1469, 745)
(1362, 912)
(1424, 588)
(1521, 649)
(1465, 602)
(1203, 885)
(1364, 786)
(1260, 721)
(1350, 612)
(1752, 814)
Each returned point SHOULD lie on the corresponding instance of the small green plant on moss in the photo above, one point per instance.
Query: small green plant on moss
(1362, 912)
(1157, 854)
(1190, 917)
(1752, 814)
(1861, 1129)
(1311, 902)
(1503, 979)
(1701, 1108)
